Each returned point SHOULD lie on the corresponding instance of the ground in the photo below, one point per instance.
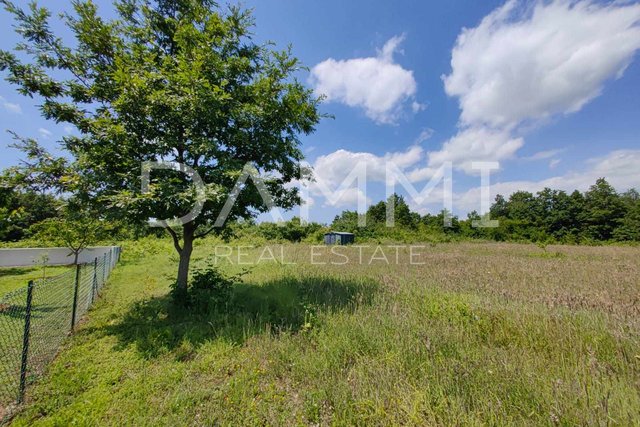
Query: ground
(12, 278)
(466, 334)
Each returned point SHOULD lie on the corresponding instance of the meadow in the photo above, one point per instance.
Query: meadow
(438, 334)
(12, 278)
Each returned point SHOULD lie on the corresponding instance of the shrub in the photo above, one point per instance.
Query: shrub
(210, 290)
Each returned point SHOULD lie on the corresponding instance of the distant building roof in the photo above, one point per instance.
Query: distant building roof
(342, 233)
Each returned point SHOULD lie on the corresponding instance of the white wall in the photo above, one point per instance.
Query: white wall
(24, 257)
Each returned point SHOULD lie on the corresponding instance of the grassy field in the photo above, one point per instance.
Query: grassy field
(51, 317)
(12, 278)
(476, 334)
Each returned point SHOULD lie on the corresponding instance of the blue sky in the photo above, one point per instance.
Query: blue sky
(549, 90)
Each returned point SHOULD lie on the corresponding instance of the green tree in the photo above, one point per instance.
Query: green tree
(178, 81)
(73, 231)
(603, 210)
(499, 208)
(629, 229)
(377, 213)
(25, 196)
(555, 213)
(403, 217)
(466, 226)
(347, 221)
(522, 206)
(19, 210)
(575, 214)
(295, 230)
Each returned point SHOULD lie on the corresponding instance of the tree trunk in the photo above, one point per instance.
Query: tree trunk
(183, 266)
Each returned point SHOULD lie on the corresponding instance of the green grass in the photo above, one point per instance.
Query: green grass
(12, 278)
(480, 334)
(50, 322)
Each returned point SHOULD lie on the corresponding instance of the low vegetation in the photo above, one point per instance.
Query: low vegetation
(18, 277)
(473, 334)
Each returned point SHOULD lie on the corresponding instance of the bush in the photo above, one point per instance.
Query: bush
(210, 290)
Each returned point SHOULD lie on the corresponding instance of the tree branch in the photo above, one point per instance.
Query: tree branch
(176, 239)
(200, 235)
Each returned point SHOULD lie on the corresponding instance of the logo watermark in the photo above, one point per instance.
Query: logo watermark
(356, 180)
(250, 255)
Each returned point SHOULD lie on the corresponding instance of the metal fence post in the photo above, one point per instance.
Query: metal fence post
(104, 268)
(75, 297)
(94, 288)
(25, 343)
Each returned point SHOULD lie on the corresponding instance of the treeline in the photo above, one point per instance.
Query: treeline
(19, 211)
(38, 218)
(599, 215)
(293, 230)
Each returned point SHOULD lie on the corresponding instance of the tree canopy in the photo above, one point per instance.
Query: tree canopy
(166, 81)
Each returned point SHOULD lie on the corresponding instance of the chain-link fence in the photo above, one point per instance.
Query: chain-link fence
(35, 320)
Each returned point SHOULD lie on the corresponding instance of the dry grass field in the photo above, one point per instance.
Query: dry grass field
(462, 334)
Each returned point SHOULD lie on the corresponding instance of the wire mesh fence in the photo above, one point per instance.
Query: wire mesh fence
(36, 319)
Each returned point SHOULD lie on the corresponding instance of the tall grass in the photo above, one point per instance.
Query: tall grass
(478, 334)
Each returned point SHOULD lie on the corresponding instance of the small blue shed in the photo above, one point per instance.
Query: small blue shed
(338, 238)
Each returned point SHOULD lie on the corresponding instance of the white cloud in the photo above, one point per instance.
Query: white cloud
(553, 163)
(377, 84)
(334, 168)
(14, 108)
(543, 155)
(310, 201)
(69, 129)
(416, 107)
(349, 198)
(529, 63)
(475, 145)
(426, 134)
(45, 133)
(11, 107)
(620, 167)
(421, 174)
(405, 159)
